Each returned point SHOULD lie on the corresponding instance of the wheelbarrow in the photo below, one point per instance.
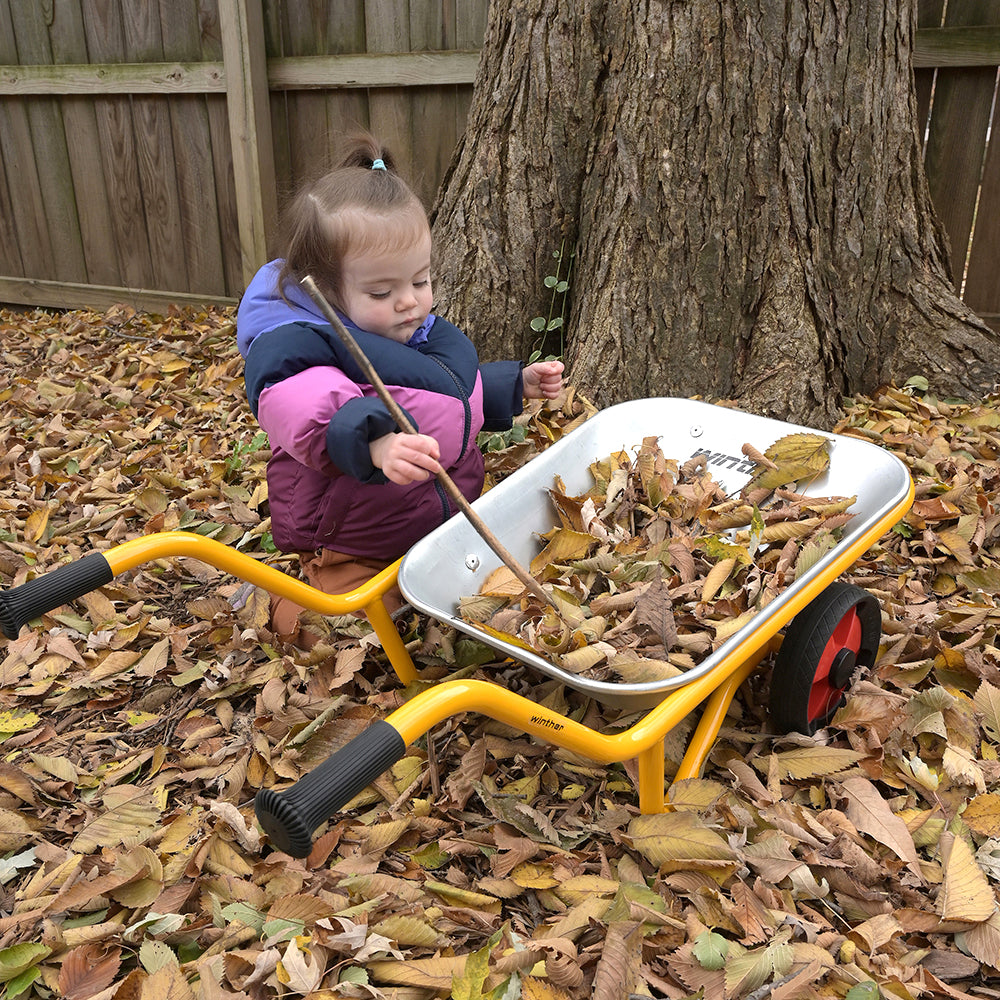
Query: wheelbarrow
(823, 633)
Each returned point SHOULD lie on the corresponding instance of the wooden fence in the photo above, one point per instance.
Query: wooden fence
(146, 144)
(956, 79)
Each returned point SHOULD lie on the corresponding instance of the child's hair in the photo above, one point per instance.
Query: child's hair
(356, 208)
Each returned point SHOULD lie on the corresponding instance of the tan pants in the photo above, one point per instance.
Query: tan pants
(333, 573)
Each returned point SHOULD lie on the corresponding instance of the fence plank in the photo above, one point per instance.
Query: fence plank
(48, 145)
(347, 109)
(222, 153)
(26, 198)
(978, 45)
(106, 43)
(352, 71)
(242, 29)
(930, 14)
(271, 14)
(470, 30)
(305, 34)
(10, 254)
(155, 148)
(387, 29)
(68, 295)
(982, 289)
(192, 144)
(959, 118)
(435, 129)
(225, 185)
(84, 148)
(390, 69)
(114, 78)
(25, 190)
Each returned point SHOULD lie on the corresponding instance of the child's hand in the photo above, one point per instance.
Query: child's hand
(405, 458)
(543, 379)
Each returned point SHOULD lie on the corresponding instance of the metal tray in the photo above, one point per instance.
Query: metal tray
(453, 561)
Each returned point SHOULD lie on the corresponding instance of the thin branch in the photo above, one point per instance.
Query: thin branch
(407, 427)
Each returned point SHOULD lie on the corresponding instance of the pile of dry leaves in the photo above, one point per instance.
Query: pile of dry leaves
(655, 565)
(138, 724)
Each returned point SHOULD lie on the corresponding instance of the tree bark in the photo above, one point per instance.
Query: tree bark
(742, 182)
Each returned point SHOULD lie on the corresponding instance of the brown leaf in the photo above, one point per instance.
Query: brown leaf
(796, 457)
(751, 914)
(983, 942)
(716, 577)
(870, 813)
(654, 609)
(167, 983)
(618, 968)
(88, 970)
(430, 973)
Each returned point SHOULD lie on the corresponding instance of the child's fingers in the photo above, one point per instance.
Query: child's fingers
(550, 378)
(424, 465)
(412, 458)
(543, 378)
(422, 445)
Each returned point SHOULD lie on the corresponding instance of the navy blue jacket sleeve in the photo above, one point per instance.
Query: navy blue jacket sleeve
(503, 393)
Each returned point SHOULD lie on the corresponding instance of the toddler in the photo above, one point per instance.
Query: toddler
(347, 491)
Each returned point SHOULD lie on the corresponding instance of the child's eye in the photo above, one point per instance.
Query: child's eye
(422, 284)
(379, 295)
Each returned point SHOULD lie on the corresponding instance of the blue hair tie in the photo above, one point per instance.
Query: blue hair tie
(378, 165)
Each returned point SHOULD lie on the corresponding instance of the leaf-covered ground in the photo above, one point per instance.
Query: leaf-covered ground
(138, 724)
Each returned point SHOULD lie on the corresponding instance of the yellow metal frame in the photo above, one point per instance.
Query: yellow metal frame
(366, 598)
(643, 741)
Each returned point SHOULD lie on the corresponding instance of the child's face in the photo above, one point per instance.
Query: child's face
(389, 293)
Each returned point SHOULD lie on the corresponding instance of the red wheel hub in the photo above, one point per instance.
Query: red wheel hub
(836, 666)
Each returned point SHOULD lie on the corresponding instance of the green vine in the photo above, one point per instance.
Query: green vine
(555, 322)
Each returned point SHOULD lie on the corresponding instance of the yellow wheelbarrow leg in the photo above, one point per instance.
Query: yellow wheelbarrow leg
(55, 588)
(396, 651)
(651, 778)
(714, 714)
(652, 798)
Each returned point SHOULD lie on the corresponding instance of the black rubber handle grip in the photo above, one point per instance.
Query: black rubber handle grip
(52, 590)
(289, 817)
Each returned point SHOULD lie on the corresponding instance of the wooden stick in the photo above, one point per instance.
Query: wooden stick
(407, 427)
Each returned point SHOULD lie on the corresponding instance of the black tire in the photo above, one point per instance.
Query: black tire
(826, 645)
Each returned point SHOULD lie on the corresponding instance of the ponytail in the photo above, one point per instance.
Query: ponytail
(365, 151)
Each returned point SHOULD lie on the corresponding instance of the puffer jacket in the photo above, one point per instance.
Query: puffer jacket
(320, 415)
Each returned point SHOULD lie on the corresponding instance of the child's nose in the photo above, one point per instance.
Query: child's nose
(407, 300)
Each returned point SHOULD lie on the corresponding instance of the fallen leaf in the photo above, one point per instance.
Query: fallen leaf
(965, 893)
(870, 813)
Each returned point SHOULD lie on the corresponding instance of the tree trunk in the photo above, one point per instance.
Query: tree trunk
(743, 185)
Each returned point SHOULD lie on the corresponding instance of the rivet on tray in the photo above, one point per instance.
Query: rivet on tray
(696, 431)
(472, 562)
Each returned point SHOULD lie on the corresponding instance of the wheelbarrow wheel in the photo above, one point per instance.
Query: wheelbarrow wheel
(833, 638)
